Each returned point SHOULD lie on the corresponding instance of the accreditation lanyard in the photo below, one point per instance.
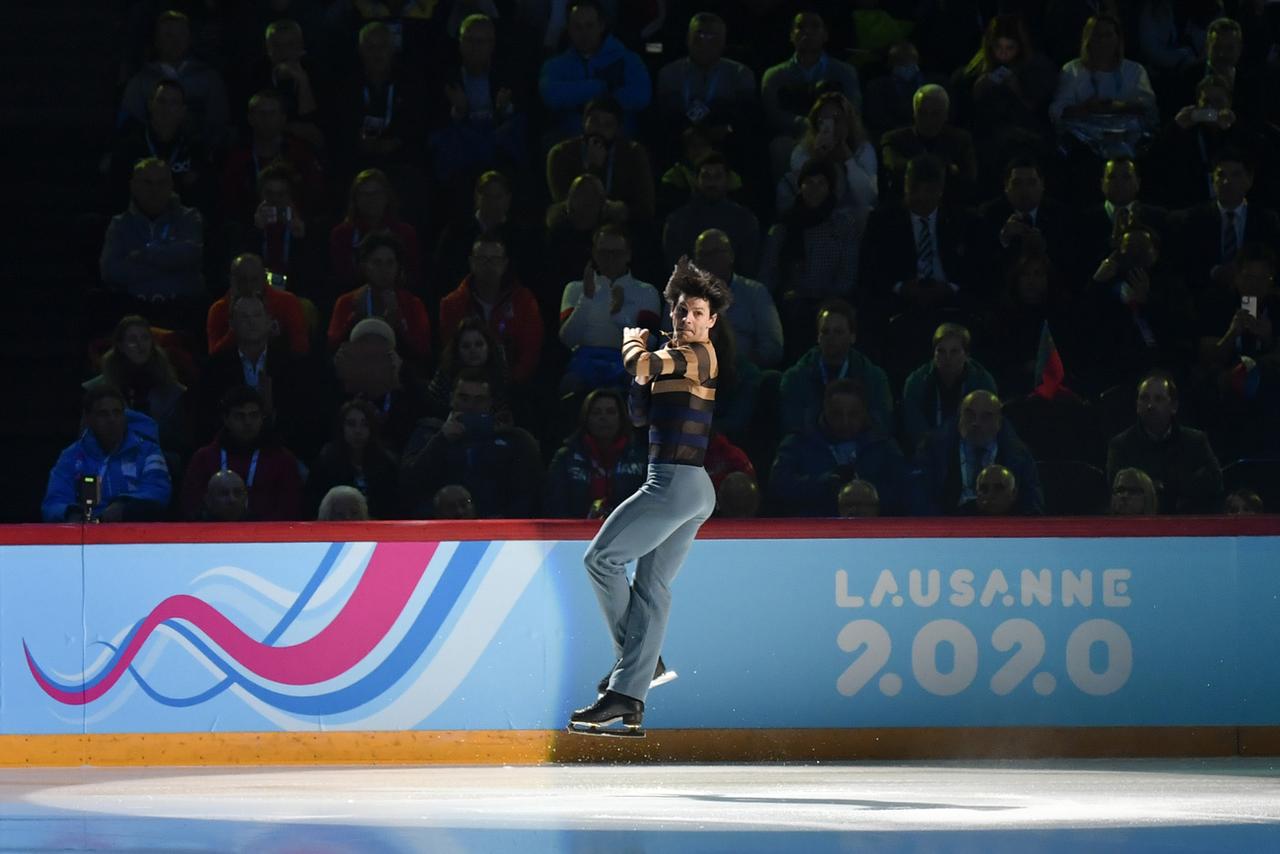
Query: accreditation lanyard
(175, 164)
(708, 92)
(391, 98)
(253, 467)
(826, 377)
(969, 477)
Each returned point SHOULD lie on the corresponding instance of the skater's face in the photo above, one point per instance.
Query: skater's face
(692, 319)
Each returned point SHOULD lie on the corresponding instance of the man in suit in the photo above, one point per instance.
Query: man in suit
(1212, 233)
(1178, 459)
(922, 259)
(1023, 219)
(1184, 153)
(1100, 227)
(955, 453)
(285, 380)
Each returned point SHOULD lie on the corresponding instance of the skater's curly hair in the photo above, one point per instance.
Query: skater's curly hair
(694, 282)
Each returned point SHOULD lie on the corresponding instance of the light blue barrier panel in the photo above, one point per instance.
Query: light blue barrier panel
(967, 632)
(1257, 610)
(41, 599)
(765, 633)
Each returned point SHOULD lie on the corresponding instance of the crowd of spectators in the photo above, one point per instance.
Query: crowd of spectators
(373, 259)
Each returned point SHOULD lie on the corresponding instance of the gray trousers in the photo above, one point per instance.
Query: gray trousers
(654, 527)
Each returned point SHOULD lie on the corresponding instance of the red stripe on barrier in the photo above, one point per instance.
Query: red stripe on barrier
(716, 529)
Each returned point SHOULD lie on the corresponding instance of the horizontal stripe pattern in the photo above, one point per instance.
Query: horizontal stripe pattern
(682, 397)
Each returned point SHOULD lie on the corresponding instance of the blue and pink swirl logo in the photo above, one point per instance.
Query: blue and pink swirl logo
(401, 600)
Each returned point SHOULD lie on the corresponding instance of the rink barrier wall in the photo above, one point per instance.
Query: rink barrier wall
(798, 640)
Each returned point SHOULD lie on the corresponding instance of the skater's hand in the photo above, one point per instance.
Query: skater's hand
(635, 333)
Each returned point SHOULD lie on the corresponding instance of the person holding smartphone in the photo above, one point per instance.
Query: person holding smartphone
(476, 446)
(1238, 323)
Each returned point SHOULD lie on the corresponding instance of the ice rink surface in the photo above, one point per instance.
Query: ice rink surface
(1229, 805)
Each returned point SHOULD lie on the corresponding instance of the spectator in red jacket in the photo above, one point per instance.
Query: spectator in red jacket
(372, 207)
(382, 294)
(268, 469)
(510, 308)
(249, 278)
(267, 143)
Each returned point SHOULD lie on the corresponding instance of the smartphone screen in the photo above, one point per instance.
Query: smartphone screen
(1250, 304)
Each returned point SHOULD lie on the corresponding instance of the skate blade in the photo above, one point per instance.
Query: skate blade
(606, 731)
(667, 676)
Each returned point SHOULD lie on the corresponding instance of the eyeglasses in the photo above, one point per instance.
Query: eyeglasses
(1128, 491)
(488, 259)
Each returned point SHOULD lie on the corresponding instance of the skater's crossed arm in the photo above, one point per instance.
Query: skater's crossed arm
(694, 362)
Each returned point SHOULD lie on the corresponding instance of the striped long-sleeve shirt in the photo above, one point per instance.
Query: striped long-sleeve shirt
(681, 393)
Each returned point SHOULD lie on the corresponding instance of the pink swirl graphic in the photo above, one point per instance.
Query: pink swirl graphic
(393, 572)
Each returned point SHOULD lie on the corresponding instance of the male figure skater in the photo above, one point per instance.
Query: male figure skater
(674, 391)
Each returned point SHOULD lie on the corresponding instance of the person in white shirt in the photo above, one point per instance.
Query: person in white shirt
(595, 309)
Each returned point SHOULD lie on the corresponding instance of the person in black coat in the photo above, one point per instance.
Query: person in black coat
(1024, 218)
(357, 458)
(1211, 234)
(908, 270)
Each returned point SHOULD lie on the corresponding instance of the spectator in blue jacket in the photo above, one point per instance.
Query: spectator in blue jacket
(152, 253)
(600, 465)
(933, 391)
(595, 64)
(118, 447)
(954, 454)
(834, 357)
(812, 467)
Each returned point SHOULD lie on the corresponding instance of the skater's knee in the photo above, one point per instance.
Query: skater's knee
(599, 563)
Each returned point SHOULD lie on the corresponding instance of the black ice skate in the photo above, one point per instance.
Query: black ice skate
(661, 676)
(613, 714)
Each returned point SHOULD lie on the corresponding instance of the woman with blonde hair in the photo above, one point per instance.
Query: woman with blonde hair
(1104, 100)
(834, 134)
(372, 207)
(141, 370)
(1133, 494)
